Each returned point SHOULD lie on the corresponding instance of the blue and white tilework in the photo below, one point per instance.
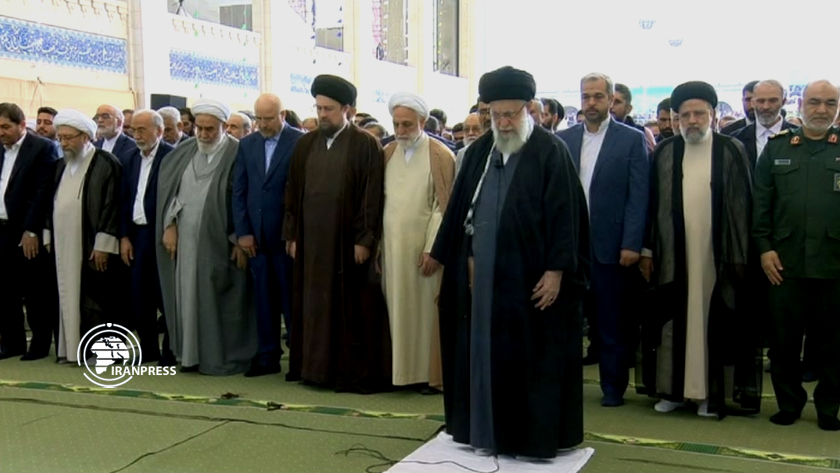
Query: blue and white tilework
(187, 66)
(27, 41)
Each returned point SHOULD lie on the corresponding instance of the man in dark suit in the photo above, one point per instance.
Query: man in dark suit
(27, 163)
(137, 231)
(768, 99)
(614, 171)
(109, 122)
(749, 111)
(260, 173)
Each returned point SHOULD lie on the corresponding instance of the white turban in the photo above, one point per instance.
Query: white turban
(409, 100)
(211, 107)
(77, 120)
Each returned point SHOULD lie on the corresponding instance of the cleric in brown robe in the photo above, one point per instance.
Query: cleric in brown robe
(333, 223)
(510, 335)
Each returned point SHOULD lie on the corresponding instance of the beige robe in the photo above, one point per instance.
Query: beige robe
(700, 263)
(68, 244)
(412, 215)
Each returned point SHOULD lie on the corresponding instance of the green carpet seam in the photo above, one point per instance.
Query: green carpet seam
(715, 450)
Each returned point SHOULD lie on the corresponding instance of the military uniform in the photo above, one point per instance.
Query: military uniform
(797, 214)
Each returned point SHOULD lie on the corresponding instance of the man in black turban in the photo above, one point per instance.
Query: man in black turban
(331, 225)
(514, 244)
(698, 253)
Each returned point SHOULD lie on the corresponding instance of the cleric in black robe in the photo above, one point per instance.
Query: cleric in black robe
(732, 334)
(512, 362)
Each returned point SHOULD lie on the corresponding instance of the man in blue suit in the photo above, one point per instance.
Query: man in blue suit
(259, 186)
(109, 122)
(614, 171)
(137, 231)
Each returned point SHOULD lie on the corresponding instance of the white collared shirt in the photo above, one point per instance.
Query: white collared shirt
(331, 139)
(762, 134)
(10, 156)
(108, 144)
(146, 162)
(589, 151)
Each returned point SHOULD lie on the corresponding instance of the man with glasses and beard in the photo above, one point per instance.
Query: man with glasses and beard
(514, 244)
(419, 172)
(332, 225)
(797, 229)
(109, 122)
(768, 99)
(473, 130)
(85, 225)
(208, 303)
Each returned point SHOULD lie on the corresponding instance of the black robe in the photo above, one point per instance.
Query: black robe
(733, 329)
(536, 368)
(103, 293)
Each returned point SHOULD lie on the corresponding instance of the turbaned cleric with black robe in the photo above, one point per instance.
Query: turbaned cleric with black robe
(510, 334)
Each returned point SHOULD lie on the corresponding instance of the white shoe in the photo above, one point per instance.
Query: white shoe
(666, 406)
(703, 409)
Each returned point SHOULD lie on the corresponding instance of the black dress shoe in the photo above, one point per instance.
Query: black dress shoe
(828, 423)
(262, 370)
(32, 356)
(167, 360)
(784, 418)
(189, 369)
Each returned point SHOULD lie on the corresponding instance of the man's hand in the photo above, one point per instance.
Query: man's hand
(427, 264)
(29, 245)
(126, 251)
(646, 267)
(629, 258)
(249, 245)
(170, 240)
(362, 253)
(547, 289)
(772, 267)
(291, 249)
(100, 260)
(238, 255)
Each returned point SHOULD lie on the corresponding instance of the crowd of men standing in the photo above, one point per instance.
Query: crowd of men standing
(411, 260)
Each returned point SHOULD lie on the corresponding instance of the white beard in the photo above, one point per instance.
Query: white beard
(508, 145)
(693, 137)
(210, 148)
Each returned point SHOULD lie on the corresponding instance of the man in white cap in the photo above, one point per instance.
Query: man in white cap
(208, 307)
(85, 224)
(419, 172)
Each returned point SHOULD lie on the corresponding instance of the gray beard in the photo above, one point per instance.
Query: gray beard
(210, 148)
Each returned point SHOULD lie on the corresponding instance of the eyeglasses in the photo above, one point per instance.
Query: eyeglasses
(61, 138)
(507, 115)
(472, 129)
(104, 116)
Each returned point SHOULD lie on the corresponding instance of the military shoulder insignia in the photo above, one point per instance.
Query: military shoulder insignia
(781, 133)
(832, 138)
(794, 140)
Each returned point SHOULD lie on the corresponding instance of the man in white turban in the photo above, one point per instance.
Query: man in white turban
(208, 306)
(84, 232)
(419, 173)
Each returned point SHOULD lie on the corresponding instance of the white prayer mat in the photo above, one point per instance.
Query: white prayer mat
(444, 449)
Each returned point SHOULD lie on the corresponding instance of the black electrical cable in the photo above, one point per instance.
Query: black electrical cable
(388, 462)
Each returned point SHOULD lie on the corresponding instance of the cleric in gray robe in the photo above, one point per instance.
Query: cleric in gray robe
(206, 293)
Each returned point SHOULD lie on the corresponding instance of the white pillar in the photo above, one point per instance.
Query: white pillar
(148, 49)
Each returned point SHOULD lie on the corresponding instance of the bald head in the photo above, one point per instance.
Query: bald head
(269, 114)
(819, 108)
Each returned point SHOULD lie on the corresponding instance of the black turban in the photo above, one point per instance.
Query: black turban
(506, 83)
(693, 90)
(335, 88)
